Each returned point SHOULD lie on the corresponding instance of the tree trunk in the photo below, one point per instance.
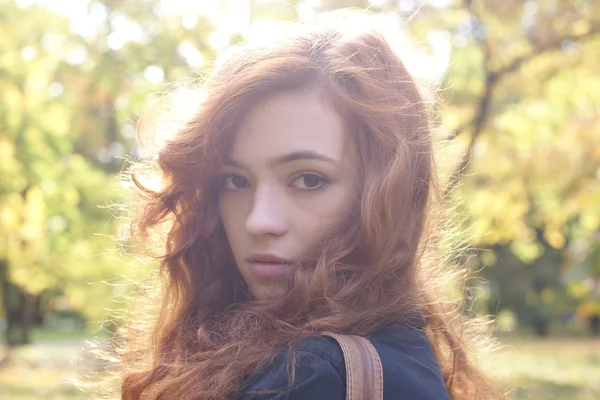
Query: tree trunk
(27, 315)
(5, 288)
(19, 308)
(594, 323)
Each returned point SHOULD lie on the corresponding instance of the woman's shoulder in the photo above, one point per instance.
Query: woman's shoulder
(410, 369)
(318, 374)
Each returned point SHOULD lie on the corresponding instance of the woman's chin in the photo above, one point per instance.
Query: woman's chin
(267, 291)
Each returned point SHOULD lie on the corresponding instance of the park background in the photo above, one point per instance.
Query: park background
(517, 85)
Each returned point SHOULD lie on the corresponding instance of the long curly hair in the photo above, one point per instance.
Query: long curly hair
(202, 334)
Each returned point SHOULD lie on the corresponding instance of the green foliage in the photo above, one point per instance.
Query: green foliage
(523, 105)
(520, 118)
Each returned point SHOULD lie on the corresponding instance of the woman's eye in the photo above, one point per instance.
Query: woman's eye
(233, 182)
(309, 181)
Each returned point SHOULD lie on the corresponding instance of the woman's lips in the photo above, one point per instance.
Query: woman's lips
(269, 270)
(267, 265)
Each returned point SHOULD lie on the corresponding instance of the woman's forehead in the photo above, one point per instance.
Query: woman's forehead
(288, 123)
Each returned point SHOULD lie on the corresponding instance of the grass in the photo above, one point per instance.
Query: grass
(549, 368)
(44, 335)
(45, 369)
(20, 383)
(538, 369)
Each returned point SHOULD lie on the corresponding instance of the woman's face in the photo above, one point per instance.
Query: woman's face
(289, 178)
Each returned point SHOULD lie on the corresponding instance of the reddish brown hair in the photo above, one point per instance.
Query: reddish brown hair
(208, 334)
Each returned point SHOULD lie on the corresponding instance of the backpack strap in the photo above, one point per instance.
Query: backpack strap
(364, 374)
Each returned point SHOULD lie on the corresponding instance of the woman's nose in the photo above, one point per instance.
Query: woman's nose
(267, 216)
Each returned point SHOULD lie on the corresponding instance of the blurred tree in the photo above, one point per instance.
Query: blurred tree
(70, 89)
(524, 107)
(520, 117)
(520, 121)
(49, 194)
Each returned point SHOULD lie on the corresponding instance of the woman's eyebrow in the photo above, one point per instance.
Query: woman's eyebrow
(302, 155)
(231, 163)
(293, 156)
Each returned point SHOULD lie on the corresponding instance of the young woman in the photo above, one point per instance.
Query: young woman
(298, 200)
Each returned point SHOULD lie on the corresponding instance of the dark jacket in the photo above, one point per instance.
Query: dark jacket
(410, 370)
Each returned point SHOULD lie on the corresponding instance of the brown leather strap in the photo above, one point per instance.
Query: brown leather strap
(364, 375)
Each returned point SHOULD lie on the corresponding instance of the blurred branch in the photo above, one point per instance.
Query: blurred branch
(515, 64)
(478, 122)
(492, 77)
